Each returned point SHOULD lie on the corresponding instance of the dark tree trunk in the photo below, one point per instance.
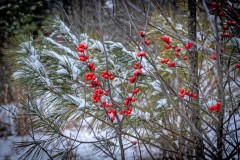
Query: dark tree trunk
(194, 78)
(6, 88)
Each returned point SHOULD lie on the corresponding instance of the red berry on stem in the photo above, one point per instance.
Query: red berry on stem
(185, 58)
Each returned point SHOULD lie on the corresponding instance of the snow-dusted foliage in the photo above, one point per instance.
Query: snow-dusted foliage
(121, 94)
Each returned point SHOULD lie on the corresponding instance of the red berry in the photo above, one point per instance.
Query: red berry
(234, 23)
(213, 3)
(133, 99)
(214, 9)
(85, 47)
(221, 13)
(81, 45)
(80, 49)
(142, 33)
(195, 96)
(179, 49)
(147, 42)
(171, 64)
(214, 57)
(134, 142)
(187, 46)
(111, 78)
(190, 43)
(225, 27)
(238, 65)
(82, 59)
(211, 108)
(181, 90)
(218, 104)
(165, 39)
(217, 110)
(185, 58)
(187, 92)
(168, 46)
(229, 22)
(176, 54)
(162, 61)
(181, 95)
(112, 118)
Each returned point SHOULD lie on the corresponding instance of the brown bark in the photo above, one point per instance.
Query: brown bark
(6, 88)
(194, 78)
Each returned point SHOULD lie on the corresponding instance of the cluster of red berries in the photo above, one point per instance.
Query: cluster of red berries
(137, 73)
(90, 76)
(126, 112)
(135, 91)
(183, 92)
(164, 60)
(83, 57)
(104, 103)
(129, 100)
(189, 45)
(226, 27)
(216, 9)
(231, 23)
(107, 75)
(112, 113)
(137, 66)
(82, 47)
(171, 64)
(141, 54)
(167, 40)
(142, 34)
(215, 107)
(94, 83)
(97, 93)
